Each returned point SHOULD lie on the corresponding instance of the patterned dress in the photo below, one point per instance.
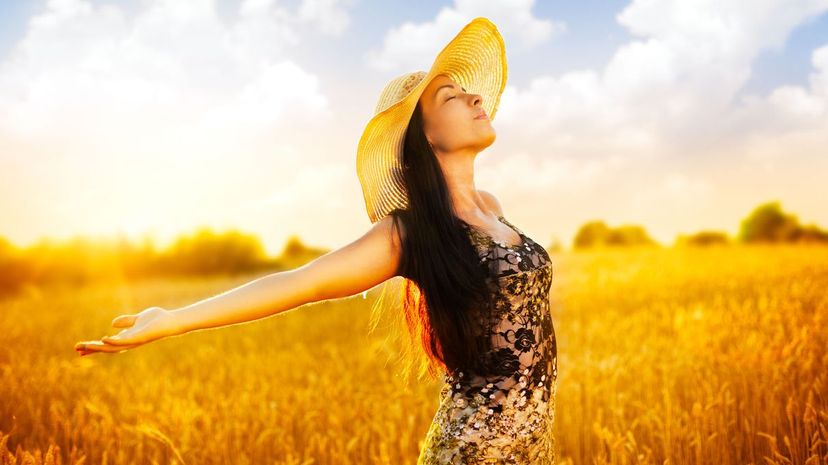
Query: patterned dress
(506, 415)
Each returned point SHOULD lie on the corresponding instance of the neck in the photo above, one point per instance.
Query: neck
(458, 169)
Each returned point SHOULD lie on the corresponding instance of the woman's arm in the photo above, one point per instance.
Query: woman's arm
(354, 268)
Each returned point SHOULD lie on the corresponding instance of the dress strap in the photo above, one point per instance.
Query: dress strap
(509, 223)
(484, 238)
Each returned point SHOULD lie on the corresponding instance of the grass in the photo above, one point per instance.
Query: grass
(677, 356)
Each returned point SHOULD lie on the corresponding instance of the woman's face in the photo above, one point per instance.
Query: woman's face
(450, 118)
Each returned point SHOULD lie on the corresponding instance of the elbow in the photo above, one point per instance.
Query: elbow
(299, 288)
(316, 293)
(332, 290)
(312, 291)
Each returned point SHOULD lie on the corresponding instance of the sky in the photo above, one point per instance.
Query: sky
(155, 117)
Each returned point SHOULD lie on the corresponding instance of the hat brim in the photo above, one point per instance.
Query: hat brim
(476, 60)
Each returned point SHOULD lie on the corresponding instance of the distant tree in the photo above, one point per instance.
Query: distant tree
(556, 245)
(296, 253)
(768, 223)
(597, 233)
(811, 233)
(84, 259)
(294, 247)
(14, 270)
(703, 238)
(206, 251)
(591, 234)
(629, 235)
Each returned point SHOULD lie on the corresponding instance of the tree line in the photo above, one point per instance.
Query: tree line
(767, 223)
(207, 252)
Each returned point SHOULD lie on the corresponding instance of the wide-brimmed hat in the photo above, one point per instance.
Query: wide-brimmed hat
(475, 59)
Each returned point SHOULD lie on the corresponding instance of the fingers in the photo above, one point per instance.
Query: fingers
(117, 343)
(88, 347)
(120, 339)
(124, 321)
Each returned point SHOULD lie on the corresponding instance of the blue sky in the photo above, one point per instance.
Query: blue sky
(686, 124)
(592, 35)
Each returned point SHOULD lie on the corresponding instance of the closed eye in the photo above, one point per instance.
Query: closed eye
(454, 95)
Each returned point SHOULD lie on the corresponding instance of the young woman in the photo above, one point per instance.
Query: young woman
(477, 287)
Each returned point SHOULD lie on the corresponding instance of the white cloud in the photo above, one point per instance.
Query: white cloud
(316, 184)
(685, 187)
(173, 67)
(660, 127)
(796, 101)
(326, 15)
(672, 90)
(522, 174)
(413, 46)
(175, 78)
(98, 103)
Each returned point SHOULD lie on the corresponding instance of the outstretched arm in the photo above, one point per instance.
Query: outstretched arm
(354, 268)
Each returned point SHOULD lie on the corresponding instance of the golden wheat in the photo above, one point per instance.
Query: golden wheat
(666, 356)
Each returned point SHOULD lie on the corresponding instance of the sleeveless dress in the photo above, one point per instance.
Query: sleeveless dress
(506, 415)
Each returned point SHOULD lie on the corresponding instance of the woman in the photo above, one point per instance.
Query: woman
(477, 287)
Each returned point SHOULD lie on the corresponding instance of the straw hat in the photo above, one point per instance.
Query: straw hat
(475, 59)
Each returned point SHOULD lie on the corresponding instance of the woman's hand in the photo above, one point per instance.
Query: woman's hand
(149, 325)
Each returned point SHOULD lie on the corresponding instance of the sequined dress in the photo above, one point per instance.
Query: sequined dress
(506, 415)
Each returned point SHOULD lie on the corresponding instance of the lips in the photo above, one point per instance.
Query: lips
(481, 115)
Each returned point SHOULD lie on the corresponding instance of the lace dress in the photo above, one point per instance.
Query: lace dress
(504, 416)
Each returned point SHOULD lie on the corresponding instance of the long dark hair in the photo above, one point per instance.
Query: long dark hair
(445, 294)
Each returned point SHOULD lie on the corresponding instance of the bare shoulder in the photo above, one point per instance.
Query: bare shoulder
(391, 230)
(491, 201)
(368, 260)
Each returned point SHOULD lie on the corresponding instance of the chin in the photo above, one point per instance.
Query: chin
(487, 140)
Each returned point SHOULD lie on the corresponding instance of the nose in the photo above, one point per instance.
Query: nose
(477, 99)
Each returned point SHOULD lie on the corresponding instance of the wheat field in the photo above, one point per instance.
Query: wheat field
(666, 356)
